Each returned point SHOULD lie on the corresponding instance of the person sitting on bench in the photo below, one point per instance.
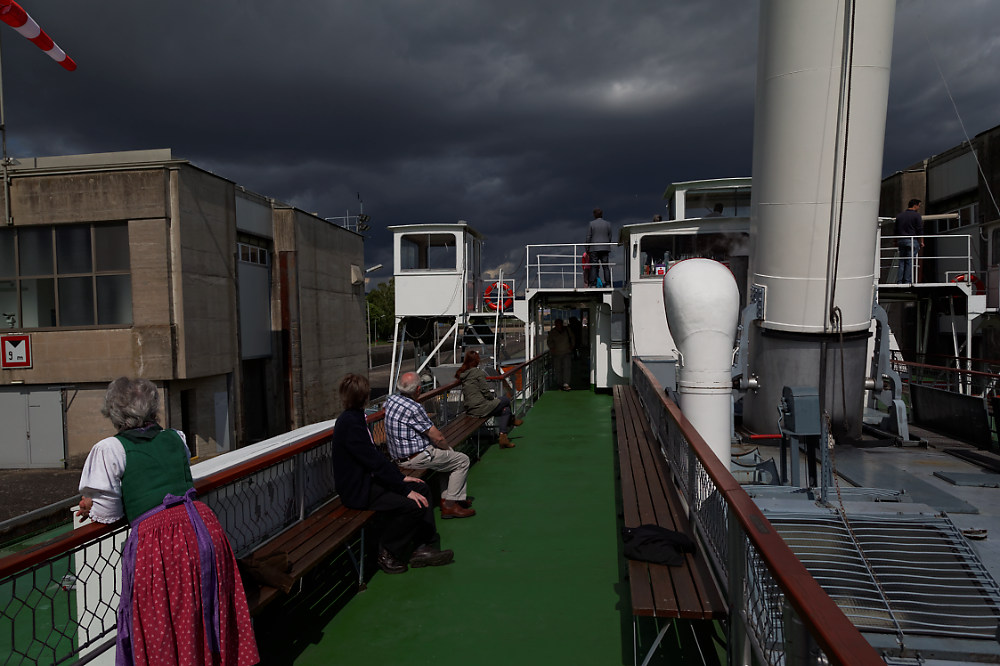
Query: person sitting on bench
(367, 481)
(415, 443)
(479, 399)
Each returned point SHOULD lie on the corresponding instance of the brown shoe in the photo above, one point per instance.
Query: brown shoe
(429, 556)
(452, 509)
(518, 422)
(390, 564)
(505, 442)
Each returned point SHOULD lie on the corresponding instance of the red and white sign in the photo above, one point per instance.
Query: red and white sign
(16, 351)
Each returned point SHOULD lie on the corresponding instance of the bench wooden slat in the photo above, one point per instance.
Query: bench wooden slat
(672, 592)
(650, 497)
(309, 542)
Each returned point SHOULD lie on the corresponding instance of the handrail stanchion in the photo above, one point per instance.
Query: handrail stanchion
(736, 549)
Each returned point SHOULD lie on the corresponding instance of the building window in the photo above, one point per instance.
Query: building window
(250, 253)
(967, 215)
(65, 276)
(428, 252)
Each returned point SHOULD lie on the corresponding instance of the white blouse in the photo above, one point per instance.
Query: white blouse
(101, 479)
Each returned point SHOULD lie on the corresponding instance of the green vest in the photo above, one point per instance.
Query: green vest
(155, 464)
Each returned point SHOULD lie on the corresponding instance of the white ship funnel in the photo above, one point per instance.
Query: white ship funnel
(702, 304)
(819, 125)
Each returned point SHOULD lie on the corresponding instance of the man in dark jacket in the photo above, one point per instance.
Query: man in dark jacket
(598, 249)
(366, 480)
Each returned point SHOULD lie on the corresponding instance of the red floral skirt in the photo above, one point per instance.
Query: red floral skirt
(167, 624)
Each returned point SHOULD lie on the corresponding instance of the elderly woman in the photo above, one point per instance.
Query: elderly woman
(182, 600)
(479, 399)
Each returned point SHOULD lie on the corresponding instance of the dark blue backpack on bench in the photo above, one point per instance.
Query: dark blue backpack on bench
(652, 543)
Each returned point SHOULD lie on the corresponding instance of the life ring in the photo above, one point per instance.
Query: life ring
(977, 284)
(505, 292)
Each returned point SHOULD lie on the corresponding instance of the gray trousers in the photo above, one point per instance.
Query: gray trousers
(456, 464)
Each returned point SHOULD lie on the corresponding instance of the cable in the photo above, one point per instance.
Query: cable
(961, 123)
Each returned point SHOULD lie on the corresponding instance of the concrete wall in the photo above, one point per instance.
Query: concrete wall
(899, 188)
(323, 309)
(204, 271)
(85, 425)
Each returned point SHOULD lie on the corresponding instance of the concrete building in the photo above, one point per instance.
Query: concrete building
(243, 310)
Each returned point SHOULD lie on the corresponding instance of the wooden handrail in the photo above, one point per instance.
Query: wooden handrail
(833, 631)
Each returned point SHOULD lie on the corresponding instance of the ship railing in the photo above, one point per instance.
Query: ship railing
(777, 609)
(58, 599)
(966, 381)
(560, 266)
(952, 259)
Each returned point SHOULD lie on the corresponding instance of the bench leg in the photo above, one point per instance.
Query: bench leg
(656, 643)
(359, 562)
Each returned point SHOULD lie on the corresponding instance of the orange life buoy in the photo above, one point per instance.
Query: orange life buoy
(504, 293)
(977, 284)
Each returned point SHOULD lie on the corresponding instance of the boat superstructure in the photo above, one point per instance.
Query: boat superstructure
(826, 527)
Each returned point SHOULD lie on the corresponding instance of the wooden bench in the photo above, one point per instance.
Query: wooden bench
(649, 496)
(307, 543)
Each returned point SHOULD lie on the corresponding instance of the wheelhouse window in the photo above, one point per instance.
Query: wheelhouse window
(65, 276)
(435, 252)
(658, 251)
(717, 203)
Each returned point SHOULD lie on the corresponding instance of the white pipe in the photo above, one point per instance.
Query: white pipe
(702, 303)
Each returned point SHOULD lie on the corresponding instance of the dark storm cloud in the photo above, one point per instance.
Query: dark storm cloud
(516, 116)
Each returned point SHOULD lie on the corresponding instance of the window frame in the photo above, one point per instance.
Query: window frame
(97, 302)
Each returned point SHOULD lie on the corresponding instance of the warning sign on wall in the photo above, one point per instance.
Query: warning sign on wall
(16, 351)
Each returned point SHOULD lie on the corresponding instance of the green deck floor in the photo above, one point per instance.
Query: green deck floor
(537, 577)
(536, 574)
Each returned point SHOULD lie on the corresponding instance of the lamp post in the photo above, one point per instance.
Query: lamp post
(369, 329)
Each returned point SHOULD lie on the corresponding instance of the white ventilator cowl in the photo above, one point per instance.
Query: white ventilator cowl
(701, 301)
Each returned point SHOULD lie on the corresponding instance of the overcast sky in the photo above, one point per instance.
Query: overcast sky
(519, 116)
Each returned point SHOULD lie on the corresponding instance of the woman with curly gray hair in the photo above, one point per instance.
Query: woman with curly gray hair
(182, 599)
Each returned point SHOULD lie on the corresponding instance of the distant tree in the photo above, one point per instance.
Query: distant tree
(382, 310)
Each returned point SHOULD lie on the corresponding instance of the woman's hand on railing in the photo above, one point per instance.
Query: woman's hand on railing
(86, 504)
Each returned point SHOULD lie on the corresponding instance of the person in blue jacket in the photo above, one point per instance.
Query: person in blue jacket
(367, 480)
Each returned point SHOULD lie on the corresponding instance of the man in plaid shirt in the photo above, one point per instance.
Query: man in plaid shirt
(416, 443)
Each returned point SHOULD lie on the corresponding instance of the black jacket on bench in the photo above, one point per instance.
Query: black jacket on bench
(357, 464)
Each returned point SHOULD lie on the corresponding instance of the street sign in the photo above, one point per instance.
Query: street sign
(16, 351)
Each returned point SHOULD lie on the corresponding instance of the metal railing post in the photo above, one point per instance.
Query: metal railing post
(736, 561)
(299, 479)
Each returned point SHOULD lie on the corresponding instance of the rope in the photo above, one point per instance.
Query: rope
(836, 315)
(844, 117)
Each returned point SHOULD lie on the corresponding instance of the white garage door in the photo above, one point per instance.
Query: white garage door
(32, 432)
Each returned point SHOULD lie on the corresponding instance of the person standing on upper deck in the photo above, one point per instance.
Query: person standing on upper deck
(910, 225)
(598, 236)
(416, 443)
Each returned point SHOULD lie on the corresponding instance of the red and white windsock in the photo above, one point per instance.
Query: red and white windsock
(14, 15)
